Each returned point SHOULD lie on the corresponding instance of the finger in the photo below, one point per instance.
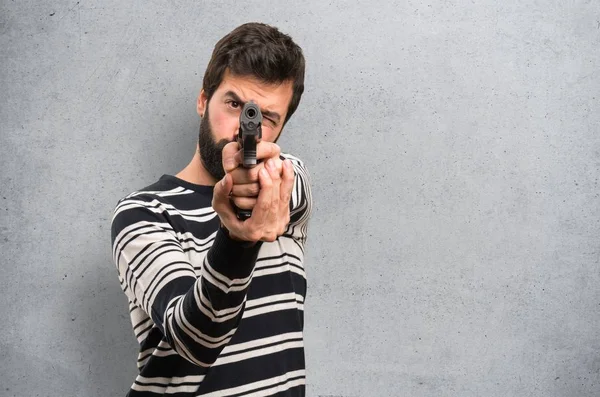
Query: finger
(260, 213)
(245, 203)
(277, 159)
(273, 221)
(265, 150)
(246, 190)
(275, 177)
(244, 176)
(285, 193)
(220, 200)
(230, 161)
(239, 156)
(287, 182)
(278, 164)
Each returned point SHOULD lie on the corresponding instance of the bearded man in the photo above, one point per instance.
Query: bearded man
(217, 302)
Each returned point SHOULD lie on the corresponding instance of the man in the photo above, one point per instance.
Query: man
(217, 303)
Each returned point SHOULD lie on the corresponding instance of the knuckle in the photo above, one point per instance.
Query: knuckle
(268, 183)
(290, 177)
(275, 175)
(254, 236)
(279, 164)
(253, 173)
(216, 203)
(281, 230)
(265, 206)
(235, 177)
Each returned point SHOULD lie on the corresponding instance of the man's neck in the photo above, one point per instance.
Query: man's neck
(195, 172)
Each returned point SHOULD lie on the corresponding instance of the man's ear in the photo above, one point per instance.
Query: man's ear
(201, 103)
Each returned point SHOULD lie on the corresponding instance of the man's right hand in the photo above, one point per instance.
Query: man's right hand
(270, 215)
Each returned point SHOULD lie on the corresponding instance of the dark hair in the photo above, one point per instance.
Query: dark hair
(261, 51)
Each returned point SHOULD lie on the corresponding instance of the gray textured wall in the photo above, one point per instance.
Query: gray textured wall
(455, 155)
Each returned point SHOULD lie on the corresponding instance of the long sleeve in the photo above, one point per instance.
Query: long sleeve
(301, 202)
(197, 315)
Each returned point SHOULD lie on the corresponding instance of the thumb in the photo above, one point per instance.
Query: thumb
(221, 202)
(229, 156)
(224, 186)
(221, 191)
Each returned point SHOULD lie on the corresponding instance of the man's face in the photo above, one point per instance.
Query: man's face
(220, 124)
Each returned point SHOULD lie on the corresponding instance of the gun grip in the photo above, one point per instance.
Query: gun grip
(249, 161)
(242, 215)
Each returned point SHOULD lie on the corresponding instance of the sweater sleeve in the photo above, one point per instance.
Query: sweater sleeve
(300, 203)
(197, 315)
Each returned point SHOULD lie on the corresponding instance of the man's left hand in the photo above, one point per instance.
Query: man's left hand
(245, 180)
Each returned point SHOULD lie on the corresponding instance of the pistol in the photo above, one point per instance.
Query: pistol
(249, 135)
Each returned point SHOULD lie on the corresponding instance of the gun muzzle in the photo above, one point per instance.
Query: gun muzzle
(250, 132)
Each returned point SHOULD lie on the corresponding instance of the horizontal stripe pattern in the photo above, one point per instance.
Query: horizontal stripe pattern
(198, 300)
(264, 387)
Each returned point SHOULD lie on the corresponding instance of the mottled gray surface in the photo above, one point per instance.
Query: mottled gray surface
(455, 155)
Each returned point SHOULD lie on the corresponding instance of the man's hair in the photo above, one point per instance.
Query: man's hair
(260, 51)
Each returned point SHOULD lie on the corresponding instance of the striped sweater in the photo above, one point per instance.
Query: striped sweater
(213, 317)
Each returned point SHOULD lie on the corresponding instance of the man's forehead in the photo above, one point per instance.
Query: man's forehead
(268, 95)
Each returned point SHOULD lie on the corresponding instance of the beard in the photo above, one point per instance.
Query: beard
(211, 152)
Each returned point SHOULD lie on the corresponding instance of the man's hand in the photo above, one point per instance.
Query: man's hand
(245, 180)
(266, 189)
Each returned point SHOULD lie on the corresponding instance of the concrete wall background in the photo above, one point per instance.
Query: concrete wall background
(454, 152)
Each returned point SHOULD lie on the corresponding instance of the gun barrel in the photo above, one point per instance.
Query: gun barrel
(249, 135)
(250, 132)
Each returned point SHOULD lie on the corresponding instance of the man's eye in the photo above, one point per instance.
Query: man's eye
(234, 104)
